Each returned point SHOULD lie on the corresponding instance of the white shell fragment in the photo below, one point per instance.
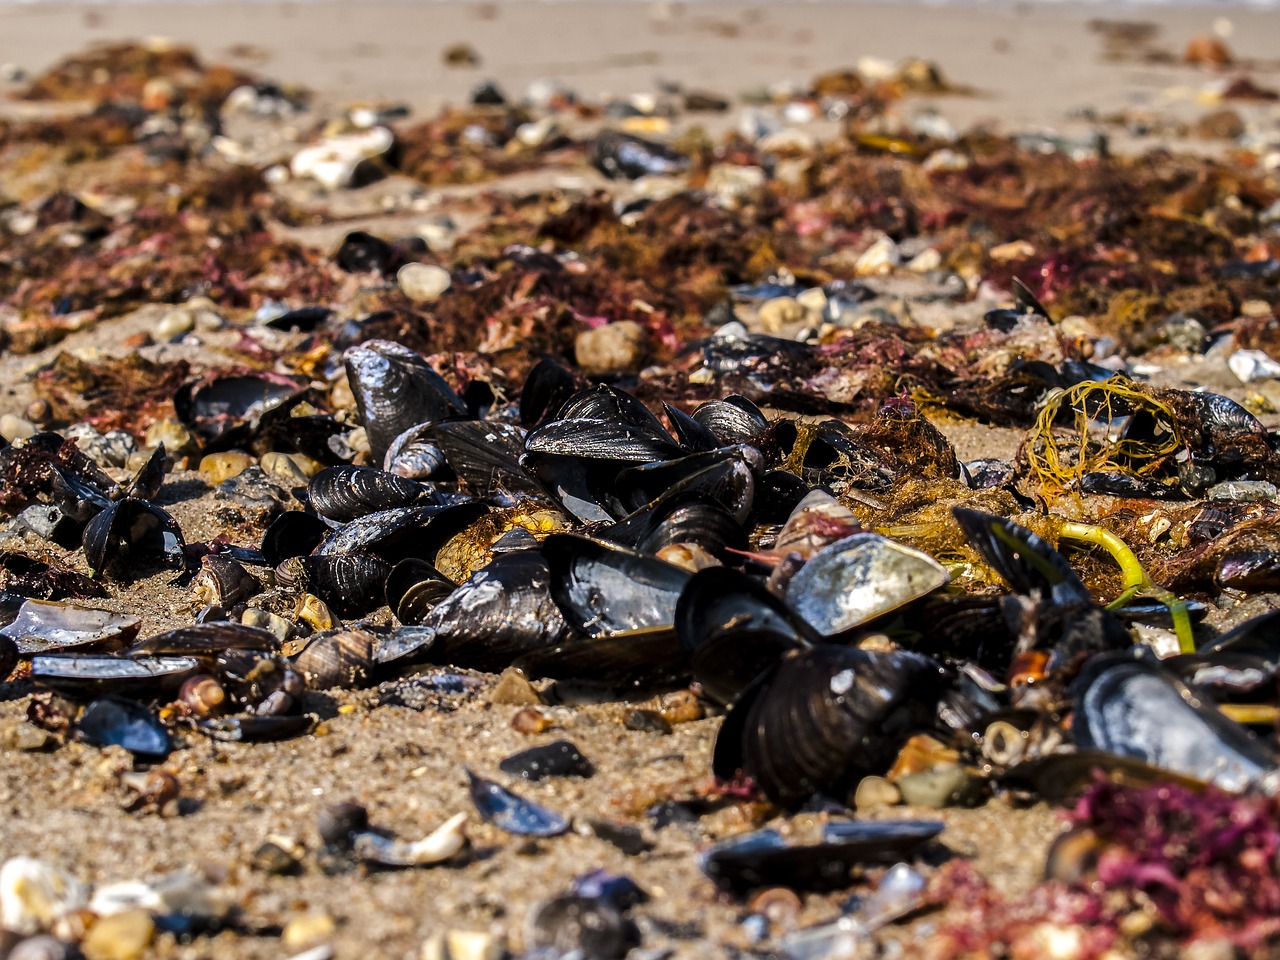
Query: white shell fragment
(442, 843)
(1250, 366)
(35, 894)
(42, 626)
(333, 160)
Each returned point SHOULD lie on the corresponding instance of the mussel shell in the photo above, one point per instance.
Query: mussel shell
(765, 859)
(854, 580)
(825, 717)
(486, 456)
(603, 402)
(346, 492)
(1026, 561)
(623, 156)
(557, 759)
(8, 657)
(624, 663)
(684, 518)
(256, 729)
(393, 534)
(584, 487)
(726, 475)
(206, 639)
(601, 440)
(414, 456)
(414, 587)
(337, 658)
(94, 674)
(150, 476)
(115, 721)
(1135, 708)
(43, 626)
(499, 614)
(604, 590)
(513, 813)
(547, 388)
(292, 534)
(223, 412)
(395, 389)
(225, 581)
(734, 630)
(732, 420)
(131, 527)
(692, 435)
(778, 493)
(351, 584)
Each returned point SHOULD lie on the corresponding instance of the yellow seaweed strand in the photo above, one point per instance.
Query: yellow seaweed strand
(1136, 579)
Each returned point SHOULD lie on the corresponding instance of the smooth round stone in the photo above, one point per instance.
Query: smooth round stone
(175, 437)
(121, 936)
(16, 428)
(174, 323)
(307, 929)
(614, 348)
(217, 467)
(289, 469)
(423, 282)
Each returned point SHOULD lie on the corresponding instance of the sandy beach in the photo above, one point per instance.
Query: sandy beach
(1064, 70)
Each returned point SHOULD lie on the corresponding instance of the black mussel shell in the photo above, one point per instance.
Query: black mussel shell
(571, 925)
(352, 584)
(734, 630)
(726, 475)
(292, 534)
(204, 639)
(601, 440)
(414, 587)
(547, 388)
(486, 456)
(301, 319)
(223, 412)
(512, 813)
(393, 534)
(778, 493)
(500, 613)
(256, 729)
(603, 402)
(150, 476)
(1133, 707)
(362, 252)
(692, 435)
(346, 492)
(733, 420)
(604, 590)
(824, 718)
(337, 658)
(582, 486)
(115, 721)
(621, 156)
(396, 389)
(682, 518)
(623, 662)
(131, 527)
(1026, 561)
(765, 859)
(8, 657)
(558, 759)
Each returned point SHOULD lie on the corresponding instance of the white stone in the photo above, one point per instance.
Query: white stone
(35, 894)
(423, 282)
(333, 160)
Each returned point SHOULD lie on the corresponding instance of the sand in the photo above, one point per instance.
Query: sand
(1029, 67)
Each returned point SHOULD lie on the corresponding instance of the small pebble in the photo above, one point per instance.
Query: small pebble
(217, 467)
(530, 720)
(681, 707)
(13, 427)
(274, 860)
(874, 793)
(1243, 490)
(423, 282)
(33, 894)
(946, 785)
(176, 438)
(514, 688)
(290, 470)
(462, 945)
(780, 312)
(611, 349)
(43, 947)
(121, 936)
(307, 929)
(175, 323)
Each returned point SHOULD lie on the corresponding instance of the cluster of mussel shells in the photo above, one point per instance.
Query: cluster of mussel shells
(576, 536)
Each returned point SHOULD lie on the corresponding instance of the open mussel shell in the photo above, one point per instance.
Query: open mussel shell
(497, 615)
(854, 580)
(601, 440)
(115, 721)
(765, 859)
(224, 582)
(351, 584)
(1134, 707)
(414, 455)
(684, 518)
(1061, 777)
(734, 629)
(43, 627)
(582, 486)
(486, 456)
(732, 420)
(547, 388)
(603, 590)
(824, 718)
(1025, 560)
(347, 492)
(256, 729)
(689, 432)
(150, 476)
(292, 534)
(396, 389)
(414, 587)
(726, 476)
(88, 675)
(131, 527)
(223, 411)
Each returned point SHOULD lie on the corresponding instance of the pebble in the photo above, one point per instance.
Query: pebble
(290, 470)
(25, 737)
(217, 467)
(423, 282)
(278, 625)
(611, 349)
(176, 438)
(462, 945)
(33, 894)
(174, 324)
(274, 860)
(307, 929)
(43, 947)
(780, 312)
(730, 181)
(881, 257)
(874, 793)
(646, 721)
(514, 688)
(335, 161)
(248, 500)
(530, 720)
(1243, 490)
(681, 707)
(946, 785)
(1223, 124)
(14, 427)
(122, 936)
